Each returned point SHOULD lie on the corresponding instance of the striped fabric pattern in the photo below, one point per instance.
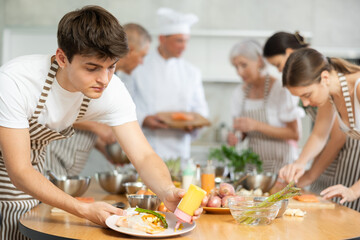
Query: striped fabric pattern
(13, 202)
(68, 157)
(345, 169)
(273, 152)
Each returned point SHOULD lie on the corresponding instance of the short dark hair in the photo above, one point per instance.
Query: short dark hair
(91, 31)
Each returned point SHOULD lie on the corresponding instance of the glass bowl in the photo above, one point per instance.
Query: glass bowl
(250, 212)
(284, 203)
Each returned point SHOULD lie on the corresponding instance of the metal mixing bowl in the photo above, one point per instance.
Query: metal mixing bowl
(133, 187)
(116, 154)
(151, 202)
(72, 185)
(264, 181)
(113, 181)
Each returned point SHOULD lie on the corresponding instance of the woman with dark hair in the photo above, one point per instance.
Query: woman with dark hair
(331, 84)
(279, 46)
(322, 173)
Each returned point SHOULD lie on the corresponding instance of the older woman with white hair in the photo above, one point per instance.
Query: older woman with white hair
(265, 112)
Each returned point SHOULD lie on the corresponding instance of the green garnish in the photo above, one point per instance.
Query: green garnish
(158, 215)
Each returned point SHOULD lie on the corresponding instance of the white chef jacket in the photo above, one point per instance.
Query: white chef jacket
(167, 85)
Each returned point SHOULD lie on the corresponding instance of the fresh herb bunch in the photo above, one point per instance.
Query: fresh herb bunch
(236, 160)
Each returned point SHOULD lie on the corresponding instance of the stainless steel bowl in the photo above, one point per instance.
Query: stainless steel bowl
(151, 202)
(113, 181)
(284, 204)
(133, 187)
(73, 185)
(264, 181)
(116, 154)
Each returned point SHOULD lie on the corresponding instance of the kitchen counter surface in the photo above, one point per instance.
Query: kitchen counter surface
(318, 223)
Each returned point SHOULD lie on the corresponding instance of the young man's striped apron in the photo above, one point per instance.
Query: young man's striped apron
(13, 202)
(69, 156)
(347, 171)
(273, 152)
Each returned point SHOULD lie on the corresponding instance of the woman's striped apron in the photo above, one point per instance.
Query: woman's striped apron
(345, 169)
(273, 152)
(68, 157)
(13, 202)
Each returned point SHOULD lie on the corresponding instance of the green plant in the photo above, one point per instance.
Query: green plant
(232, 158)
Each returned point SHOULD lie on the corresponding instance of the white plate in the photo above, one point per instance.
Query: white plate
(170, 218)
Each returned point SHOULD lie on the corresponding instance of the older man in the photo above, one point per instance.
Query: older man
(69, 156)
(166, 82)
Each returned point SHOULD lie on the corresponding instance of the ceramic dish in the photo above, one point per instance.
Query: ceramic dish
(169, 232)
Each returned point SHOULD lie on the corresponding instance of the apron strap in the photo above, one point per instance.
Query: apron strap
(345, 91)
(46, 89)
(266, 92)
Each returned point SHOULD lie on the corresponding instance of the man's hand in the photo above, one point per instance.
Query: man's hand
(173, 197)
(98, 212)
(105, 133)
(154, 122)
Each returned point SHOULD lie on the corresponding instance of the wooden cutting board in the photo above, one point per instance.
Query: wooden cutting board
(198, 121)
(321, 204)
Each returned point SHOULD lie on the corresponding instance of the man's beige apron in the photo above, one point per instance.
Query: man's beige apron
(13, 202)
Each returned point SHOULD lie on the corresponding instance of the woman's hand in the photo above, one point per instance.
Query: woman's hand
(292, 172)
(173, 197)
(347, 194)
(98, 212)
(244, 124)
(232, 140)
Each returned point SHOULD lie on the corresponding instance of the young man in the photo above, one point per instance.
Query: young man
(69, 156)
(42, 96)
(166, 82)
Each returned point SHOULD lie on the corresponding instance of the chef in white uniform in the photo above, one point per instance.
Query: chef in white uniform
(166, 82)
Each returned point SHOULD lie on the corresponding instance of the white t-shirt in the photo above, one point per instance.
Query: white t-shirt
(21, 83)
(281, 106)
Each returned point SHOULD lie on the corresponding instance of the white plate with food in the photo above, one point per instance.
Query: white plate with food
(135, 225)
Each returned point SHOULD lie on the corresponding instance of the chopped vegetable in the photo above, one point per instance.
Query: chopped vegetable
(306, 198)
(179, 116)
(158, 215)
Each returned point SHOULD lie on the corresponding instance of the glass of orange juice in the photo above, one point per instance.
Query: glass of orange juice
(208, 178)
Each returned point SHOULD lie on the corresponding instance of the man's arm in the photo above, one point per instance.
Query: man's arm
(103, 131)
(15, 148)
(149, 165)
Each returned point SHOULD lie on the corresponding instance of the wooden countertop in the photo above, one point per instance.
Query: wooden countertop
(319, 223)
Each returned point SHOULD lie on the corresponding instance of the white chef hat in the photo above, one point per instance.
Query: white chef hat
(172, 22)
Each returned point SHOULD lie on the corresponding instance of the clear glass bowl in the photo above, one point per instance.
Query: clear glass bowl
(249, 212)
